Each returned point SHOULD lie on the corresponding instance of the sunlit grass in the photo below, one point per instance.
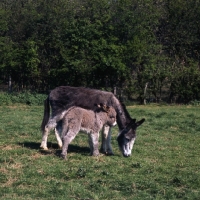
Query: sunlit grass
(164, 162)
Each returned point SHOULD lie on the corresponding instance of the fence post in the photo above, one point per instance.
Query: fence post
(145, 91)
(115, 91)
(9, 84)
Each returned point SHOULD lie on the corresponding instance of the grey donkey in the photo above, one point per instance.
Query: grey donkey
(91, 122)
(63, 98)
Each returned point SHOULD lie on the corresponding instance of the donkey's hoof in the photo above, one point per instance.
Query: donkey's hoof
(63, 156)
(95, 154)
(103, 151)
(44, 148)
(109, 153)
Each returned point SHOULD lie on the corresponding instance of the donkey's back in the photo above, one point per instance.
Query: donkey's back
(63, 97)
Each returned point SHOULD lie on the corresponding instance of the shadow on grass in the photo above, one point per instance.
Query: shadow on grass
(53, 148)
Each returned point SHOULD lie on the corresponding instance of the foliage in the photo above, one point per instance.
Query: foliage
(102, 44)
(27, 98)
(164, 163)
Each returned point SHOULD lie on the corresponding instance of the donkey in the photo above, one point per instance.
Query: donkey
(91, 122)
(62, 98)
(125, 143)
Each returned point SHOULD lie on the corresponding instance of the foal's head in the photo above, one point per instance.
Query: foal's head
(110, 114)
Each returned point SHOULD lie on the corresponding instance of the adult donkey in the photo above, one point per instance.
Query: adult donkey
(64, 97)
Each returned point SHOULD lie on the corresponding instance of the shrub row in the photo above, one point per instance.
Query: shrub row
(36, 99)
(27, 98)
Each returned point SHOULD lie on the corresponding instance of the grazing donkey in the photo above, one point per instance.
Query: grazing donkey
(125, 143)
(91, 122)
(62, 98)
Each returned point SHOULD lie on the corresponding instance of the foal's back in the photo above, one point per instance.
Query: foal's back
(78, 118)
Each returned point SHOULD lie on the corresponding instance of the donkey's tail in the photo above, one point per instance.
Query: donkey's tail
(46, 114)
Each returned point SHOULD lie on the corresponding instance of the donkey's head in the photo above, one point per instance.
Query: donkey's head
(110, 114)
(126, 137)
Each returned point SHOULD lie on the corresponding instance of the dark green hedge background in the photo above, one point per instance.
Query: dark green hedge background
(101, 44)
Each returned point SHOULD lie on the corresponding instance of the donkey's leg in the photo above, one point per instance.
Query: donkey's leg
(66, 141)
(106, 140)
(50, 125)
(58, 132)
(104, 136)
(90, 144)
(44, 139)
(94, 144)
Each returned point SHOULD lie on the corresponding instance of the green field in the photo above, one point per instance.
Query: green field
(165, 162)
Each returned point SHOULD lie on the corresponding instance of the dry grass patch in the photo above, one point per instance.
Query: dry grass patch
(3, 170)
(9, 182)
(36, 155)
(9, 147)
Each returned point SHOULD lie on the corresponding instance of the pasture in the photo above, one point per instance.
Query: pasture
(165, 161)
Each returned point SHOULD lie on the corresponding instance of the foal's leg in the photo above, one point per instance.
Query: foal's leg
(94, 144)
(106, 140)
(66, 141)
(50, 125)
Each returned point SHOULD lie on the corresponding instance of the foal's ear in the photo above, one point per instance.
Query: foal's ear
(103, 107)
(97, 105)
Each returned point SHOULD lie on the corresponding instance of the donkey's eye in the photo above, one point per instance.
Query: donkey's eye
(127, 141)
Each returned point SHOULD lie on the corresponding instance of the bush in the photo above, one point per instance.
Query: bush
(195, 103)
(27, 98)
(5, 99)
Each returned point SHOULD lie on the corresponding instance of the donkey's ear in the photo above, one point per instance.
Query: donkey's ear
(140, 122)
(133, 121)
(128, 127)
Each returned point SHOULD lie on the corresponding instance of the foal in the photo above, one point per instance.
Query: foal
(91, 122)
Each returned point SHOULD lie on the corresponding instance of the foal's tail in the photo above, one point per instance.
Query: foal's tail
(46, 114)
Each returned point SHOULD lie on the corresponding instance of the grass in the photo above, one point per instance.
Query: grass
(164, 162)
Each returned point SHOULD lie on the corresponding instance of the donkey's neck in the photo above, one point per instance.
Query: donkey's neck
(123, 117)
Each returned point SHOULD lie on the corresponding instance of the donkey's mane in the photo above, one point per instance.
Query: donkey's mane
(126, 112)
